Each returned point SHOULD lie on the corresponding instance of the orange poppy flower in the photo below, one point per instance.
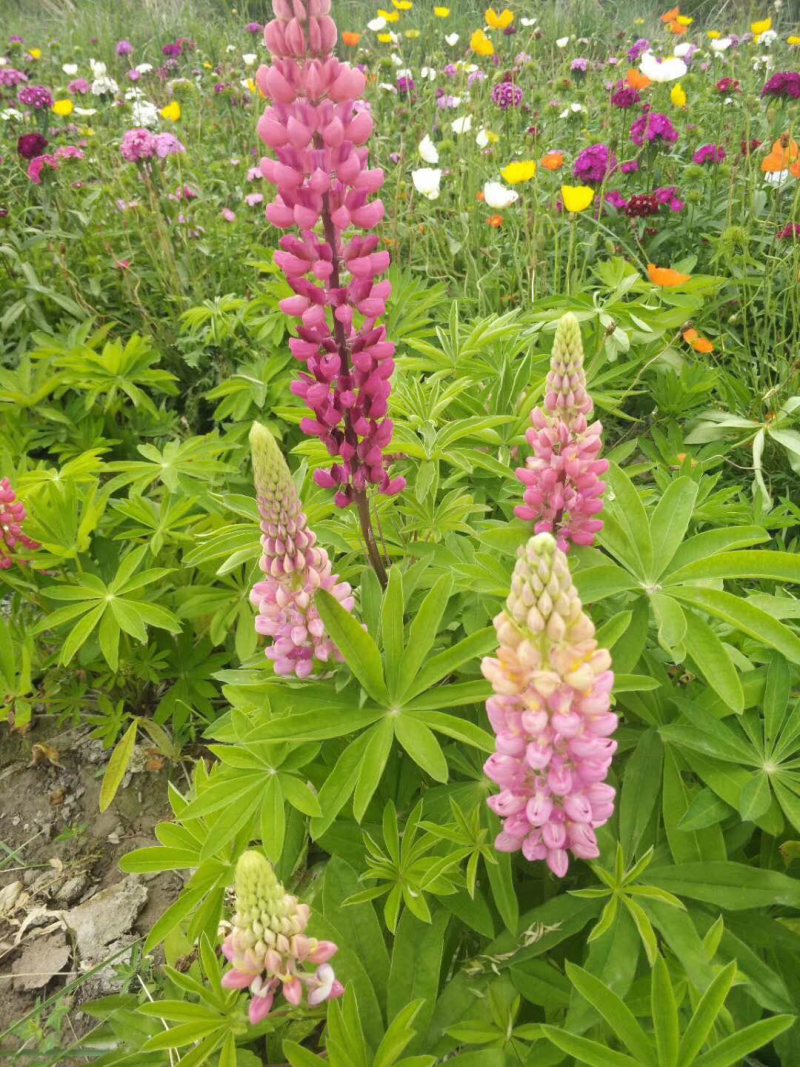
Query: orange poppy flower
(794, 170)
(637, 80)
(480, 196)
(495, 221)
(698, 343)
(672, 15)
(351, 39)
(553, 161)
(666, 277)
(784, 152)
(677, 28)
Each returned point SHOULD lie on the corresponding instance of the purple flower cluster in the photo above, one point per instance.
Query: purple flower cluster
(791, 231)
(668, 195)
(595, 164)
(37, 165)
(124, 48)
(139, 144)
(36, 96)
(653, 126)
(625, 95)
(79, 87)
(580, 64)
(638, 48)
(405, 85)
(507, 94)
(9, 77)
(254, 27)
(709, 153)
(172, 50)
(31, 145)
(784, 84)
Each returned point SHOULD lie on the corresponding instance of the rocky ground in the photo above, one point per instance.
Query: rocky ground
(65, 907)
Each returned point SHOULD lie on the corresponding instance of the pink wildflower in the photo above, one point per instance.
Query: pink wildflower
(37, 165)
(12, 516)
(551, 714)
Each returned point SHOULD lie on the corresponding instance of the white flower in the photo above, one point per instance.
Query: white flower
(573, 109)
(527, 22)
(682, 48)
(231, 48)
(143, 113)
(467, 68)
(249, 58)
(387, 87)
(144, 68)
(427, 149)
(767, 38)
(98, 69)
(722, 44)
(10, 113)
(133, 93)
(767, 62)
(376, 24)
(70, 69)
(103, 84)
(496, 195)
(426, 181)
(428, 73)
(398, 62)
(406, 72)
(4, 61)
(482, 137)
(562, 42)
(86, 111)
(777, 178)
(462, 125)
(452, 39)
(662, 70)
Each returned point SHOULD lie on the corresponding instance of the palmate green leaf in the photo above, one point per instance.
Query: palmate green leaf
(705, 1015)
(118, 765)
(319, 725)
(273, 817)
(300, 796)
(422, 632)
(743, 616)
(670, 521)
(671, 619)
(776, 698)
(727, 781)
(187, 1034)
(664, 1010)
(759, 563)
(452, 726)
(301, 1057)
(788, 799)
(339, 785)
(358, 923)
(629, 511)
(416, 969)
(445, 663)
(615, 1012)
(732, 1049)
(711, 656)
(392, 612)
(585, 1051)
(597, 583)
(80, 633)
(707, 809)
(357, 647)
(421, 745)
(641, 786)
(755, 797)
(376, 755)
(728, 885)
(685, 846)
(712, 542)
(501, 877)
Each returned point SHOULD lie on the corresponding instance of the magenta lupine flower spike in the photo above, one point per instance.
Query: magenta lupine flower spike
(550, 714)
(294, 566)
(12, 516)
(318, 132)
(268, 945)
(563, 488)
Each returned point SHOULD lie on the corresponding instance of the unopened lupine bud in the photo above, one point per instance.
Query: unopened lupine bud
(316, 126)
(12, 516)
(268, 945)
(294, 565)
(550, 714)
(564, 494)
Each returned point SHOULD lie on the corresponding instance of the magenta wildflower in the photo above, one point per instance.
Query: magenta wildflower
(506, 94)
(595, 164)
(268, 946)
(295, 567)
(322, 176)
(68, 151)
(668, 194)
(167, 144)
(36, 96)
(625, 96)
(630, 166)
(30, 145)
(124, 48)
(708, 154)
(642, 205)
(79, 87)
(791, 231)
(551, 715)
(138, 144)
(254, 27)
(653, 126)
(563, 489)
(10, 78)
(12, 516)
(38, 164)
(784, 85)
(580, 65)
(638, 49)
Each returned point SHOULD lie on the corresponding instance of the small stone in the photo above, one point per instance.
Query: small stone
(41, 960)
(9, 895)
(71, 890)
(105, 917)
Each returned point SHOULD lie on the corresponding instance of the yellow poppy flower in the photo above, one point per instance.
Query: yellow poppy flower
(678, 96)
(481, 44)
(35, 53)
(684, 20)
(413, 34)
(638, 22)
(403, 5)
(576, 197)
(172, 111)
(501, 21)
(761, 26)
(442, 12)
(713, 35)
(208, 66)
(390, 16)
(63, 107)
(518, 172)
(793, 40)
(385, 38)
(87, 131)
(491, 137)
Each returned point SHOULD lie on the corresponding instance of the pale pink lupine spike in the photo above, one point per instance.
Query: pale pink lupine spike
(268, 946)
(563, 491)
(550, 714)
(294, 565)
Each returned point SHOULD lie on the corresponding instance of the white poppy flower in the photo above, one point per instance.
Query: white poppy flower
(11, 113)
(722, 44)
(462, 125)
(249, 58)
(496, 195)
(398, 62)
(662, 70)
(144, 68)
(98, 69)
(428, 73)
(682, 49)
(406, 72)
(427, 181)
(86, 111)
(103, 84)
(387, 87)
(4, 62)
(427, 149)
(70, 69)
(527, 22)
(562, 42)
(376, 24)
(452, 39)
(777, 178)
(573, 109)
(231, 48)
(482, 137)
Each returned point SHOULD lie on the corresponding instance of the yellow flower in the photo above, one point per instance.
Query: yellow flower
(403, 5)
(761, 27)
(385, 38)
(638, 22)
(713, 35)
(63, 107)
(684, 20)
(35, 53)
(208, 65)
(442, 12)
(577, 197)
(501, 21)
(518, 172)
(87, 131)
(492, 137)
(390, 16)
(481, 44)
(793, 40)
(413, 34)
(172, 111)
(678, 96)
(251, 85)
